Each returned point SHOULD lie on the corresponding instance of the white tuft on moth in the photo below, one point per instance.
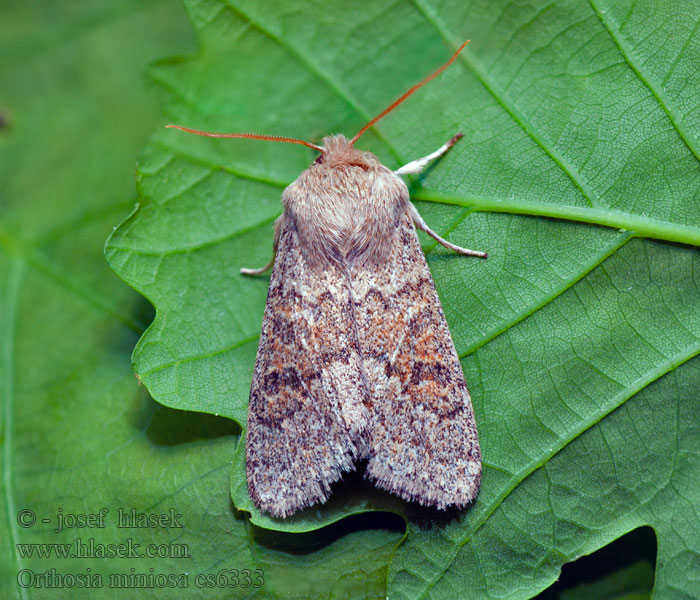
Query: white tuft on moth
(355, 358)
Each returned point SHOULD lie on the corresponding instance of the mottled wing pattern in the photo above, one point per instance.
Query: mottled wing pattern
(306, 414)
(422, 436)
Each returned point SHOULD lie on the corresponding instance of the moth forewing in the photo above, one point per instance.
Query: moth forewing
(306, 402)
(355, 358)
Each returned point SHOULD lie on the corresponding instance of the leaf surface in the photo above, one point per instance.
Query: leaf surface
(578, 173)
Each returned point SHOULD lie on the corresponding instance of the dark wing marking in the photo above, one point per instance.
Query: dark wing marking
(306, 415)
(422, 440)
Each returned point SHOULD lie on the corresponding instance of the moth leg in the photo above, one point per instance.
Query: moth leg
(420, 224)
(417, 166)
(279, 223)
(260, 271)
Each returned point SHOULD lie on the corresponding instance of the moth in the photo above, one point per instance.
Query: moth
(355, 358)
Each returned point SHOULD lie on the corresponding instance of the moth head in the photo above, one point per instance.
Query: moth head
(336, 149)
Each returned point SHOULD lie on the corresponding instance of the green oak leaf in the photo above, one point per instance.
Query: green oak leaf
(578, 173)
(77, 433)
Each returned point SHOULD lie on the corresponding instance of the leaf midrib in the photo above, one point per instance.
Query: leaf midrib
(638, 225)
(596, 213)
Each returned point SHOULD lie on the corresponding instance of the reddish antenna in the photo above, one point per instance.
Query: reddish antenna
(253, 136)
(406, 94)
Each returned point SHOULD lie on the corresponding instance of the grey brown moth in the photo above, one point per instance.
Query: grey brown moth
(355, 358)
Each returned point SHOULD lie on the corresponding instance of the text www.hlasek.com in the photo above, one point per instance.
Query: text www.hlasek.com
(89, 548)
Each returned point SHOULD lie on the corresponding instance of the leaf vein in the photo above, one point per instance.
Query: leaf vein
(526, 311)
(633, 388)
(322, 75)
(211, 354)
(517, 117)
(664, 101)
(78, 286)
